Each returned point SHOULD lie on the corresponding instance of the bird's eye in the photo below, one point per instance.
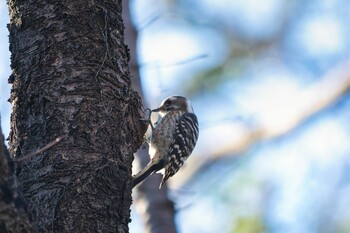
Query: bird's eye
(168, 102)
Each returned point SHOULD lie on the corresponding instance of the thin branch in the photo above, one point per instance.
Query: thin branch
(41, 150)
(157, 65)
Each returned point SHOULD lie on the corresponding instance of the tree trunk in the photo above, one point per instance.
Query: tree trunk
(70, 78)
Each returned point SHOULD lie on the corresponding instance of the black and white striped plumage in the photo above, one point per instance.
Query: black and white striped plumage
(173, 138)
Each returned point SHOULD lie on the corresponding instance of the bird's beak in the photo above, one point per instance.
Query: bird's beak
(156, 109)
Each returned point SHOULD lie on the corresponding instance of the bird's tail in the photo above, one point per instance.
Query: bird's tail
(164, 179)
(148, 170)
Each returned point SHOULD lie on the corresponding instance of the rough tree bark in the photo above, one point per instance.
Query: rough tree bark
(155, 208)
(70, 78)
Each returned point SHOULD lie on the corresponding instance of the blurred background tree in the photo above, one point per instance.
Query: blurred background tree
(269, 82)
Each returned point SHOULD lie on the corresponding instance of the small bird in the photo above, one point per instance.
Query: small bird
(173, 138)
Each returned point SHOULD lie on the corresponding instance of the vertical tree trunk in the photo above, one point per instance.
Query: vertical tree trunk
(70, 77)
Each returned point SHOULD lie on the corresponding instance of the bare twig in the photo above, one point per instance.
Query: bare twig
(41, 150)
(157, 65)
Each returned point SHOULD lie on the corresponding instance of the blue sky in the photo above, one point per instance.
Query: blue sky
(4, 70)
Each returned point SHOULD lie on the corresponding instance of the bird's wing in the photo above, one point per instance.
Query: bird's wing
(184, 140)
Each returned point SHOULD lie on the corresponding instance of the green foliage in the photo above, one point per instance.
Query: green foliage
(253, 224)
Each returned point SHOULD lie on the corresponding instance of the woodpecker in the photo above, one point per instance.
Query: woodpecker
(173, 139)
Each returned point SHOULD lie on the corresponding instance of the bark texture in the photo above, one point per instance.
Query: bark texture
(70, 77)
(13, 214)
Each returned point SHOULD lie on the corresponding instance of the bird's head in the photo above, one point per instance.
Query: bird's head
(174, 103)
